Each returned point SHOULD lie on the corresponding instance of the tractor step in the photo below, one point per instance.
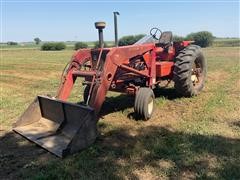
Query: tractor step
(59, 127)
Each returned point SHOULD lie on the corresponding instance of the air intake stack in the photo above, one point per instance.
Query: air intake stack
(116, 28)
(100, 26)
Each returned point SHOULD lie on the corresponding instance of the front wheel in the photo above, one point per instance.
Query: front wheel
(144, 103)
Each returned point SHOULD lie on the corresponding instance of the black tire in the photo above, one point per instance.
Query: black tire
(189, 72)
(85, 93)
(144, 103)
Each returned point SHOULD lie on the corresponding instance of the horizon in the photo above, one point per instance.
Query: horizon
(22, 21)
(109, 41)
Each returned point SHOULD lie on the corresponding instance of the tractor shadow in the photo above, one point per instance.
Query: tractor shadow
(122, 102)
(116, 104)
(168, 93)
(118, 154)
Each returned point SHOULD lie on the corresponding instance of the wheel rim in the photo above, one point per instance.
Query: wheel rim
(150, 106)
(196, 76)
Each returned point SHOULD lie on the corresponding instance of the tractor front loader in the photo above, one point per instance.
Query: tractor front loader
(64, 128)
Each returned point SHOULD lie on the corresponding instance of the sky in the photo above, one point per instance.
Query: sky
(73, 20)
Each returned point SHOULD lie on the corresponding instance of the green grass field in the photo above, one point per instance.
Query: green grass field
(188, 138)
(226, 42)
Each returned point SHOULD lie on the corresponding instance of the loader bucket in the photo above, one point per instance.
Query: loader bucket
(59, 127)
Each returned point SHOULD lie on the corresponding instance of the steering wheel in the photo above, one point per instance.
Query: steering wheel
(154, 32)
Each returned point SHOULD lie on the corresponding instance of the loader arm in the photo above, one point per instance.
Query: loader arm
(68, 79)
(116, 58)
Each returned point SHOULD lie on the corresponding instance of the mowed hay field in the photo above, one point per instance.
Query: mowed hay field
(188, 138)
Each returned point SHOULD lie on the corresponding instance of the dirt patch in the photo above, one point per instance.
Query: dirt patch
(146, 173)
(216, 78)
(186, 175)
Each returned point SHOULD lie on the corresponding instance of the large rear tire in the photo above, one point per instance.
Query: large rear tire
(189, 72)
(144, 103)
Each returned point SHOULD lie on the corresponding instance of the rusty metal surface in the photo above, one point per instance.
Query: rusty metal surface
(59, 127)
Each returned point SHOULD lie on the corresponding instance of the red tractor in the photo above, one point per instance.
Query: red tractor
(62, 127)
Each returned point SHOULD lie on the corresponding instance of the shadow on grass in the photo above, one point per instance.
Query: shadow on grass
(122, 102)
(168, 93)
(16, 154)
(236, 123)
(116, 104)
(118, 154)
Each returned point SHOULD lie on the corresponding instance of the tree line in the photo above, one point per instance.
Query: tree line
(202, 38)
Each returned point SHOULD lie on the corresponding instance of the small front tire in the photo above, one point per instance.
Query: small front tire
(144, 103)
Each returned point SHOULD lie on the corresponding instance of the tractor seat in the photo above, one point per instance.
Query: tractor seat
(165, 39)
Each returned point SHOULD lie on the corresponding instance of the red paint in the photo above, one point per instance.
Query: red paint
(122, 69)
(164, 68)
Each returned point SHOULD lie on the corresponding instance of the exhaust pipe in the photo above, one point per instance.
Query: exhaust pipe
(116, 28)
(100, 26)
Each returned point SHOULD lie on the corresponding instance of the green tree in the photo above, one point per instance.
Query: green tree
(53, 46)
(96, 44)
(80, 45)
(37, 40)
(12, 43)
(202, 38)
(129, 40)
